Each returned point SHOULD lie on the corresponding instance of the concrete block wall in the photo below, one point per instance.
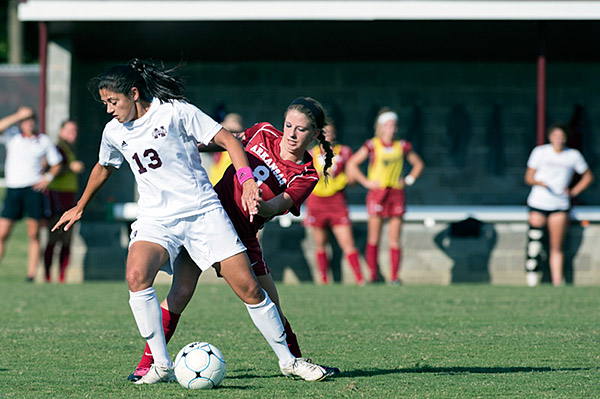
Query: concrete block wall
(432, 256)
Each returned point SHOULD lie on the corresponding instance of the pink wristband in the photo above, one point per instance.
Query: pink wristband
(244, 174)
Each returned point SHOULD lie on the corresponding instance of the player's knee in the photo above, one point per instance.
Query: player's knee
(136, 279)
(253, 294)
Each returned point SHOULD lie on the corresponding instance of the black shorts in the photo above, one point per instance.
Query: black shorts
(20, 201)
(545, 212)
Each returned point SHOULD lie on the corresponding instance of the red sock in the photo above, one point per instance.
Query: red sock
(48, 253)
(322, 265)
(395, 254)
(292, 341)
(65, 255)
(169, 321)
(371, 255)
(355, 264)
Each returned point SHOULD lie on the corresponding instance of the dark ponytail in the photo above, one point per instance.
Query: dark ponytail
(148, 79)
(328, 153)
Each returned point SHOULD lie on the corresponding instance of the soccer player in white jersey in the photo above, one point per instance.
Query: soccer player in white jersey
(157, 132)
(550, 169)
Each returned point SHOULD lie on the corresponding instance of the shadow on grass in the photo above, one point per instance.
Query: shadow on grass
(460, 370)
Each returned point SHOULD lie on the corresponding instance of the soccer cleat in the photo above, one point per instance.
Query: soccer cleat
(157, 374)
(304, 369)
(138, 373)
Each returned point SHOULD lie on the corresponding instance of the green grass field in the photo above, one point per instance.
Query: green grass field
(463, 341)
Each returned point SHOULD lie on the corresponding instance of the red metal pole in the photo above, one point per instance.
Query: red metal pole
(43, 47)
(541, 89)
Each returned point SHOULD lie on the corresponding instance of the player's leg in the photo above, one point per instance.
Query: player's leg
(345, 239)
(64, 256)
(394, 234)
(52, 240)
(320, 237)
(143, 263)
(534, 250)
(183, 285)
(267, 283)
(558, 223)
(33, 247)
(6, 226)
(374, 224)
(263, 312)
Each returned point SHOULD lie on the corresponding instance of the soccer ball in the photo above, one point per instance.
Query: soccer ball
(199, 365)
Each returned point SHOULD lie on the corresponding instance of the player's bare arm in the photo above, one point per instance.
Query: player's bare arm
(21, 114)
(98, 177)
(275, 206)
(587, 178)
(417, 165)
(250, 193)
(530, 180)
(355, 174)
(46, 180)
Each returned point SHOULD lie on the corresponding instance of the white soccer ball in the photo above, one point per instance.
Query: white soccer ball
(199, 365)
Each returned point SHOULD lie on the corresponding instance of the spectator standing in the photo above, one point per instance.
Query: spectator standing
(27, 154)
(62, 197)
(386, 196)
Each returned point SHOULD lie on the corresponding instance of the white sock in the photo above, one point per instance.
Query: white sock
(148, 316)
(266, 318)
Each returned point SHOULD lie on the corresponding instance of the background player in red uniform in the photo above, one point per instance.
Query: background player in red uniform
(327, 208)
(285, 175)
(386, 198)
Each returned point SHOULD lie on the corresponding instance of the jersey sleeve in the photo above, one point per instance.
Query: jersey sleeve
(196, 123)
(534, 159)
(8, 134)
(53, 156)
(580, 163)
(109, 155)
(299, 188)
(406, 147)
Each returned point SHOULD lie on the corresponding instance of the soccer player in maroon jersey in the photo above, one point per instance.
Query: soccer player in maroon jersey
(285, 174)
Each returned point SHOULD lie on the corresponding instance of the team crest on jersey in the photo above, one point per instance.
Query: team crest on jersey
(159, 132)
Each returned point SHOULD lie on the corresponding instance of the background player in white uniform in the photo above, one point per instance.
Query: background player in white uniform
(550, 169)
(26, 151)
(157, 132)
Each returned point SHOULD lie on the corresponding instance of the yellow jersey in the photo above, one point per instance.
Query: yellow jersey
(386, 161)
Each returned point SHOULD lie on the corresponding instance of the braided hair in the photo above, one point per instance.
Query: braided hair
(316, 115)
(150, 81)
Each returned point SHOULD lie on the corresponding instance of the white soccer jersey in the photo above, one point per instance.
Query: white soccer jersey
(556, 170)
(24, 155)
(161, 149)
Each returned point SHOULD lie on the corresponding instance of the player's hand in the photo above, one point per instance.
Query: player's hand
(250, 193)
(68, 218)
(41, 185)
(24, 112)
(372, 185)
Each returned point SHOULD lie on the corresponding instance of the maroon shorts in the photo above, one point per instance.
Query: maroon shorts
(325, 212)
(387, 202)
(255, 254)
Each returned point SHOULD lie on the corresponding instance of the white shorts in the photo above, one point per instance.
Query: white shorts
(208, 237)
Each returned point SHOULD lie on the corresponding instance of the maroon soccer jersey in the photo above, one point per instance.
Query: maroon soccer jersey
(273, 176)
